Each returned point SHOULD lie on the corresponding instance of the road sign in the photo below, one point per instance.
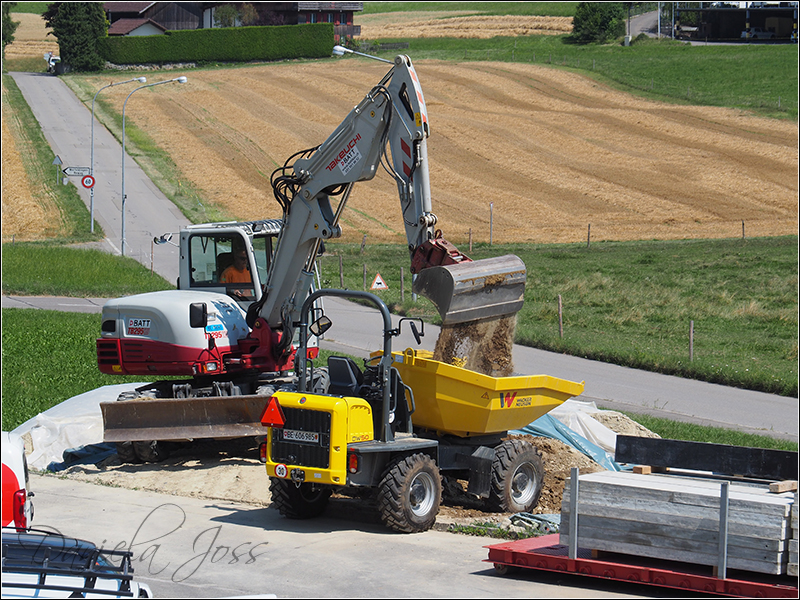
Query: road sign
(378, 283)
(77, 171)
(88, 182)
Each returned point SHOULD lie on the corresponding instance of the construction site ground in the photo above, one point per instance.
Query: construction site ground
(232, 471)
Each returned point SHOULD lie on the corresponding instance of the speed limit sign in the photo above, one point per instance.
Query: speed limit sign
(88, 181)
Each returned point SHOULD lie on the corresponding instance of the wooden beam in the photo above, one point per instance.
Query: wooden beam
(700, 456)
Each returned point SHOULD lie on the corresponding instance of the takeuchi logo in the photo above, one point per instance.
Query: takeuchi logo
(506, 400)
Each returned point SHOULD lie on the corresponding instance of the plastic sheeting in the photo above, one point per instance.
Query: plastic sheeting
(551, 427)
(576, 414)
(74, 423)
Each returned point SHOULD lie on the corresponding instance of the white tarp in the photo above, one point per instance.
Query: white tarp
(73, 423)
(575, 414)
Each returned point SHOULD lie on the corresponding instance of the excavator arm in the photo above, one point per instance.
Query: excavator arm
(388, 128)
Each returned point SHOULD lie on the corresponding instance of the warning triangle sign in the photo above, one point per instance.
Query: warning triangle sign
(378, 283)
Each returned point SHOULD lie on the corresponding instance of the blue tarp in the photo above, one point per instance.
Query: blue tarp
(548, 426)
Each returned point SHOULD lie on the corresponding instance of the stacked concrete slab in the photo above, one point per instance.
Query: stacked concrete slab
(677, 518)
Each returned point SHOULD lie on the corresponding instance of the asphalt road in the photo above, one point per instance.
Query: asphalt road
(193, 548)
(67, 126)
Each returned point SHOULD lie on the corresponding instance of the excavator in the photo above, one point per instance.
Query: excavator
(237, 346)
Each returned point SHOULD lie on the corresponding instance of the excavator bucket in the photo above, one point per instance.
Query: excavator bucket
(216, 417)
(480, 289)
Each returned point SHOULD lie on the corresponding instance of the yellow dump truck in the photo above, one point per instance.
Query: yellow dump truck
(397, 425)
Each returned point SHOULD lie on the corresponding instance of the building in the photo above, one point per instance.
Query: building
(153, 18)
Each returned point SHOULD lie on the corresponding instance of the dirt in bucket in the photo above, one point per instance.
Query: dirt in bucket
(484, 346)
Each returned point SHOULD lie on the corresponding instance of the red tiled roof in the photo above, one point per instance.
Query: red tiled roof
(125, 26)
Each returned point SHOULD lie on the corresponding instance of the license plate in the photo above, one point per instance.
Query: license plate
(309, 437)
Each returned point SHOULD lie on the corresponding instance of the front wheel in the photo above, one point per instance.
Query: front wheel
(409, 494)
(305, 501)
(517, 477)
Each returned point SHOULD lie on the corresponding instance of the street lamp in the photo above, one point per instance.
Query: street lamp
(91, 160)
(176, 80)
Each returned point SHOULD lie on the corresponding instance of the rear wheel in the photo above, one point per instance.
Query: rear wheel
(517, 477)
(304, 502)
(409, 494)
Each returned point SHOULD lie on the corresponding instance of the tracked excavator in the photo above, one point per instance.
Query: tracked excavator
(234, 342)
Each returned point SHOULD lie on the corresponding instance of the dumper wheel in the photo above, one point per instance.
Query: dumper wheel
(150, 451)
(409, 494)
(126, 452)
(517, 477)
(304, 502)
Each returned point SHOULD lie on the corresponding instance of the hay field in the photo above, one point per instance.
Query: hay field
(552, 151)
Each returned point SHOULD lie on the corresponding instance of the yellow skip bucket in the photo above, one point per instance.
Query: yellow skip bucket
(453, 400)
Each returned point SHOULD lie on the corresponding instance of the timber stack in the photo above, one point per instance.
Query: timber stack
(679, 515)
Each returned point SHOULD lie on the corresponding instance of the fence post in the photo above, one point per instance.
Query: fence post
(341, 273)
(365, 277)
(589, 235)
(691, 341)
(402, 285)
(560, 318)
(363, 243)
(491, 221)
(742, 228)
(470, 239)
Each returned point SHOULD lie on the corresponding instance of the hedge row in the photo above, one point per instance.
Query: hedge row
(232, 44)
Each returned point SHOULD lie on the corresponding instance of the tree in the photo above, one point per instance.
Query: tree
(77, 27)
(9, 26)
(249, 14)
(598, 21)
(225, 15)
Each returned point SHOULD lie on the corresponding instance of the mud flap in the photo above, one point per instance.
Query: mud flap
(474, 290)
(183, 418)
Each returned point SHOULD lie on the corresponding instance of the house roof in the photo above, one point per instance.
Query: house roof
(127, 7)
(125, 26)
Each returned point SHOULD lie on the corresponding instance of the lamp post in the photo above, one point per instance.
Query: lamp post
(91, 159)
(176, 80)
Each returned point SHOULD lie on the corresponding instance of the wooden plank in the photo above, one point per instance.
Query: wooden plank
(677, 555)
(701, 456)
(642, 469)
(675, 503)
(775, 530)
(682, 532)
(782, 486)
(674, 542)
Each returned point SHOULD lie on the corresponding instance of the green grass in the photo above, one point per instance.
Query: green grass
(47, 269)
(632, 303)
(48, 356)
(37, 158)
(677, 430)
(35, 8)
(550, 9)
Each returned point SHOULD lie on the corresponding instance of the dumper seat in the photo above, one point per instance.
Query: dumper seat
(346, 377)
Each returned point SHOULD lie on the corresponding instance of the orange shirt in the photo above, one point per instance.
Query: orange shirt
(234, 275)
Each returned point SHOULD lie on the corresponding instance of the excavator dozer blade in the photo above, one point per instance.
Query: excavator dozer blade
(480, 289)
(183, 418)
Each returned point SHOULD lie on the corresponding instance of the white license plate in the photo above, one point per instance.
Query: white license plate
(310, 437)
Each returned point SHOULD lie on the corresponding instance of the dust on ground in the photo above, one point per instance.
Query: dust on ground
(232, 471)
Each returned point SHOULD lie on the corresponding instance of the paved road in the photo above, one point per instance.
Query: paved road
(188, 547)
(356, 331)
(66, 124)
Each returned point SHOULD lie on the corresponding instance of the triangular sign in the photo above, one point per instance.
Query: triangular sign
(273, 414)
(378, 283)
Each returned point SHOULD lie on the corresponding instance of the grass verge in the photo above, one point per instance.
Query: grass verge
(75, 272)
(690, 432)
